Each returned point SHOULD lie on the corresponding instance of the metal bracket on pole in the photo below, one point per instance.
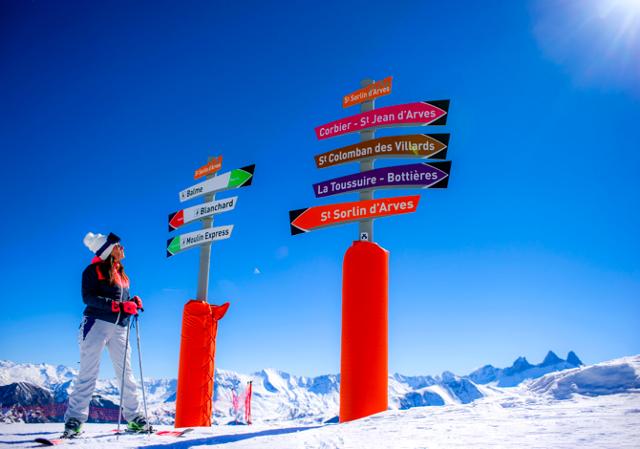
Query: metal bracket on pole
(365, 227)
(205, 251)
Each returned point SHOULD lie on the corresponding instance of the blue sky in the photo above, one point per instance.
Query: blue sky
(106, 110)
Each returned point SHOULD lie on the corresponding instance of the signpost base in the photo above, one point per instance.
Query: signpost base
(364, 359)
(197, 356)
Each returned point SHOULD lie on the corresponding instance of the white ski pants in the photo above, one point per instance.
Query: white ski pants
(93, 336)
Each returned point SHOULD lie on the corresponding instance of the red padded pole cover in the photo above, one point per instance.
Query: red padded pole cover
(197, 355)
(363, 363)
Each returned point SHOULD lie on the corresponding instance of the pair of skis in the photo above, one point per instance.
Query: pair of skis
(160, 433)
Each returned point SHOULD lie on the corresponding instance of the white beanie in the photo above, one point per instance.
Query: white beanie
(99, 244)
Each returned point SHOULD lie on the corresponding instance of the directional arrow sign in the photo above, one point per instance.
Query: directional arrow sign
(186, 241)
(311, 218)
(240, 177)
(410, 114)
(184, 216)
(431, 175)
(209, 168)
(426, 146)
(367, 93)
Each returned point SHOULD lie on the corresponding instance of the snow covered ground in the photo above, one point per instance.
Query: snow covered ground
(596, 406)
(495, 422)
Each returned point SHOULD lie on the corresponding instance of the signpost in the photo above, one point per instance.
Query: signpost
(312, 218)
(240, 177)
(364, 341)
(423, 146)
(410, 114)
(200, 319)
(185, 216)
(433, 175)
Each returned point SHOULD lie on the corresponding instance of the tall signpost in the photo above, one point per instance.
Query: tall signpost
(364, 351)
(200, 319)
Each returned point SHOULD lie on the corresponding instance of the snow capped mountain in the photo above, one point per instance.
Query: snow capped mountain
(617, 376)
(521, 370)
(25, 393)
(38, 374)
(280, 396)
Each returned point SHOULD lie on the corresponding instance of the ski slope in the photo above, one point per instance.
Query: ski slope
(596, 406)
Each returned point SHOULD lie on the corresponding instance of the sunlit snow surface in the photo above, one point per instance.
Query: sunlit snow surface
(590, 407)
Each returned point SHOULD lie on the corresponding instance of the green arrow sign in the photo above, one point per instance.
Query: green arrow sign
(186, 241)
(240, 177)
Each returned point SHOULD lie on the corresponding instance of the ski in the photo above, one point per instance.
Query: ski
(54, 441)
(160, 433)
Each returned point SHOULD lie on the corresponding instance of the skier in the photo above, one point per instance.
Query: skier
(105, 291)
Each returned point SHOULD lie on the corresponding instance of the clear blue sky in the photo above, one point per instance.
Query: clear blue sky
(107, 109)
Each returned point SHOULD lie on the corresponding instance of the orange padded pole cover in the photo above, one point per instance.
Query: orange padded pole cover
(197, 354)
(363, 364)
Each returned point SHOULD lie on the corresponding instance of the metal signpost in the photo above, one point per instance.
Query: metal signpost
(364, 342)
(199, 322)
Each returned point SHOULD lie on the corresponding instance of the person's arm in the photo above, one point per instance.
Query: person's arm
(90, 290)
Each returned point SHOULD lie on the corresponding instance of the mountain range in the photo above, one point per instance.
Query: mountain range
(277, 395)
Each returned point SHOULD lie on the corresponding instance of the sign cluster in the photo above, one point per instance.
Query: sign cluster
(415, 146)
(240, 177)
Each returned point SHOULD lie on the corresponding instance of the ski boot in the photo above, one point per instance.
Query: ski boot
(139, 425)
(72, 428)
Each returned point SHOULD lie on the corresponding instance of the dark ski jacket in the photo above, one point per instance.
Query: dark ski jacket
(97, 294)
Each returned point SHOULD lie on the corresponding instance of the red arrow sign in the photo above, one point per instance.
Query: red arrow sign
(311, 218)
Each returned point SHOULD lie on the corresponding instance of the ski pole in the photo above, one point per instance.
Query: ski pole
(144, 398)
(124, 366)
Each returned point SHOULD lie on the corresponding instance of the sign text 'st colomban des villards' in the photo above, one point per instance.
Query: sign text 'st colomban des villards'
(426, 146)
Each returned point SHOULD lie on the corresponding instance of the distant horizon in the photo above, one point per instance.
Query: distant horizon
(391, 373)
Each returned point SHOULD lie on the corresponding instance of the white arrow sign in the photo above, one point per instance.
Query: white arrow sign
(239, 177)
(193, 213)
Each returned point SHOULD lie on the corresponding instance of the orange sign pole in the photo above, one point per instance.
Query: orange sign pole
(363, 360)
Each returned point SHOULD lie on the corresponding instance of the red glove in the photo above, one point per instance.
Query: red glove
(127, 307)
(138, 302)
(130, 307)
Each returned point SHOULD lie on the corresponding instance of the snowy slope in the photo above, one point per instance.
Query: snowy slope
(595, 406)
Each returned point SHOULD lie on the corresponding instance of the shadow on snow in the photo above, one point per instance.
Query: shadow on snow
(222, 439)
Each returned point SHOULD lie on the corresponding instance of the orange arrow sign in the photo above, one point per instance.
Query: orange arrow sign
(209, 168)
(311, 218)
(368, 93)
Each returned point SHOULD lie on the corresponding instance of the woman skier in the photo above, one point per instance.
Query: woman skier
(105, 291)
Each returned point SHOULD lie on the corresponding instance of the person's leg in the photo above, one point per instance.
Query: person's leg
(92, 337)
(116, 344)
